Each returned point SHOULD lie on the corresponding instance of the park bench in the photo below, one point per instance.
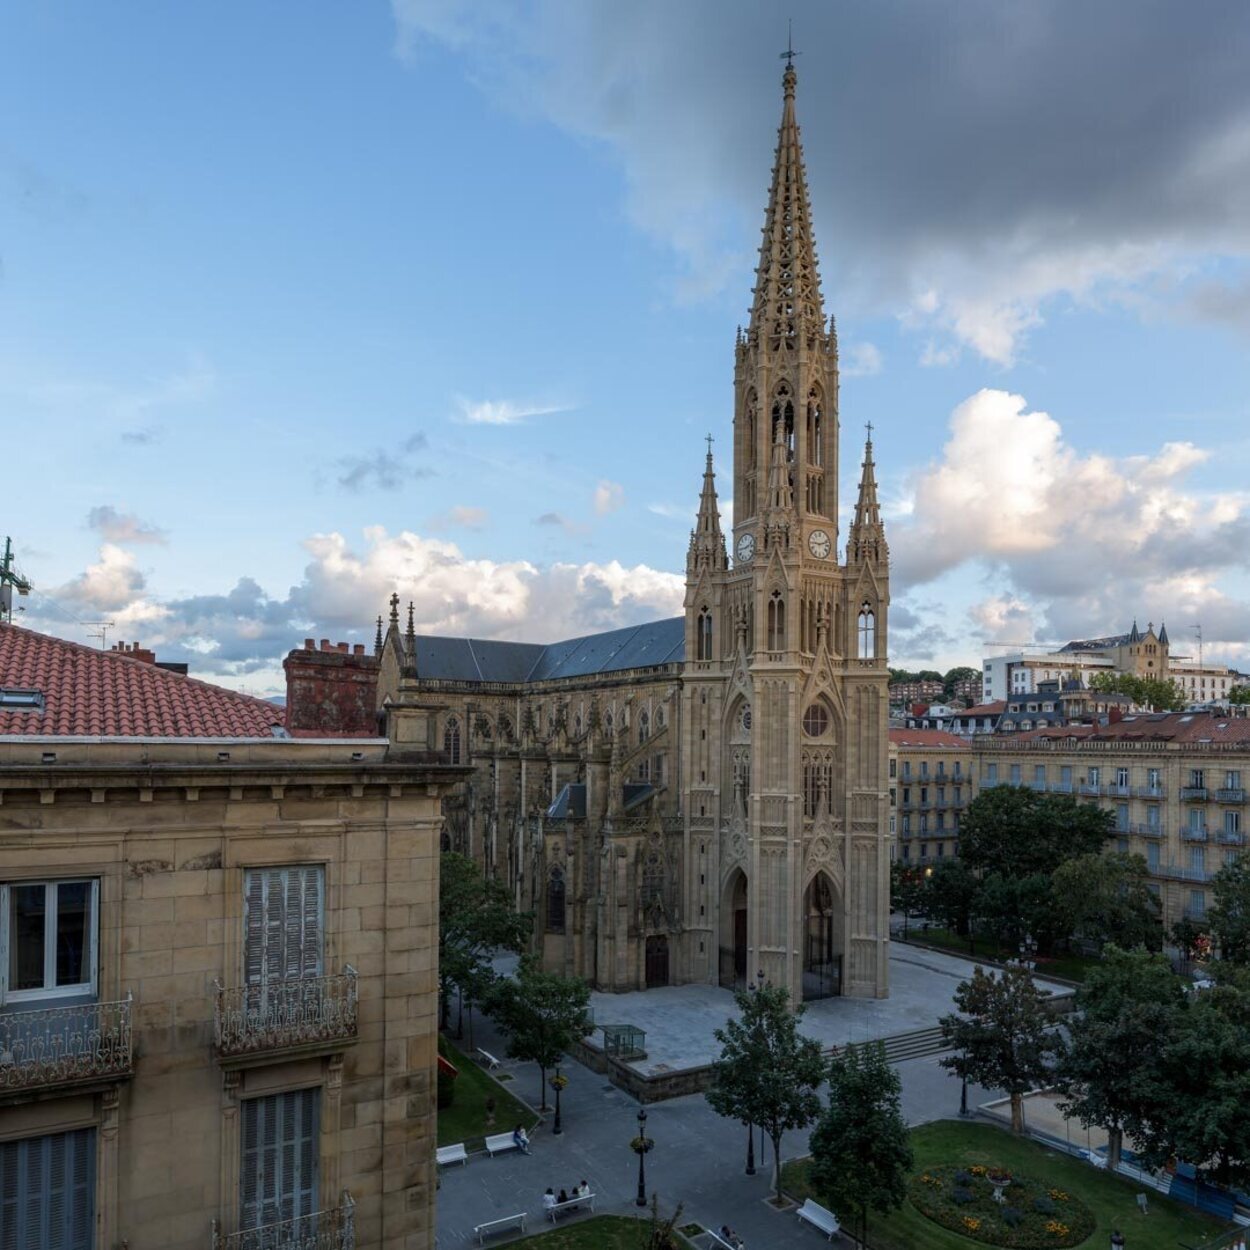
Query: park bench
(452, 1154)
(573, 1203)
(718, 1240)
(491, 1227)
(818, 1217)
(500, 1142)
(488, 1060)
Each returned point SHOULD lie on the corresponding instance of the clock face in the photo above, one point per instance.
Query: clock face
(818, 544)
(746, 547)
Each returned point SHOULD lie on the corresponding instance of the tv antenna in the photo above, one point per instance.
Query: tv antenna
(99, 629)
(10, 580)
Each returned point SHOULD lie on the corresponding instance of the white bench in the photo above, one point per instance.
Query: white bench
(818, 1217)
(718, 1240)
(488, 1060)
(573, 1203)
(499, 1143)
(491, 1227)
(452, 1154)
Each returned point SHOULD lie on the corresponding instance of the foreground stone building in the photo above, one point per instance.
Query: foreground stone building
(218, 957)
(703, 798)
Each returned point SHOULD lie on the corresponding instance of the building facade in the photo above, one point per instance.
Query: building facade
(931, 784)
(705, 798)
(218, 965)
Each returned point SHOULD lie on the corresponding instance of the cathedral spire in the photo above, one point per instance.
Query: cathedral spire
(707, 543)
(866, 541)
(788, 311)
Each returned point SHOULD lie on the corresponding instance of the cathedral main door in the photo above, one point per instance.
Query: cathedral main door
(733, 932)
(657, 961)
(822, 963)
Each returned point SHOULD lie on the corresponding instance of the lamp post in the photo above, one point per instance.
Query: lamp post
(640, 1145)
(558, 1082)
(1028, 948)
(963, 1096)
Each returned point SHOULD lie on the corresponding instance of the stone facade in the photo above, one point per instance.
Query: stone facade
(931, 785)
(704, 799)
(172, 839)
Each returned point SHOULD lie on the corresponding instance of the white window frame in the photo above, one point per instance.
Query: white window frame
(49, 989)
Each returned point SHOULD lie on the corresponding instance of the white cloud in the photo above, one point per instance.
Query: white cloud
(609, 497)
(500, 411)
(860, 360)
(461, 516)
(674, 511)
(122, 527)
(573, 529)
(113, 582)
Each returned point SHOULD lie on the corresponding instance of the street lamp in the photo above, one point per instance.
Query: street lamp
(1028, 948)
(557, 1082)
(640, 1145)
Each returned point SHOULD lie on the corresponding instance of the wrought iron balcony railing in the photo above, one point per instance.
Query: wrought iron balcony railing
(1198, 793)
(1190, 833)
(1150, 792)
(286, 1015)
(1231, 794)
(332, 1229)
(1148, 830)
(51, 1046)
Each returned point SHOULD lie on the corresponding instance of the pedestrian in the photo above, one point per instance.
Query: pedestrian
(549, 1200)
(521, 1138)
(1117, 1240)
(563, 1198)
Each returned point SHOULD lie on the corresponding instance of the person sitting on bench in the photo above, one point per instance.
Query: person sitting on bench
(731, 1238)
(521, 1137)
(549, 1200)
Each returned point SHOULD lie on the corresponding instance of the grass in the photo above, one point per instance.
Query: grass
(1112, 1200)
(603, 1232)
(1069, 967)
(465, 1120)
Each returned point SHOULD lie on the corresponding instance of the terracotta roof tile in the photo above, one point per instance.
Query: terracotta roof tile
(927, 738)
(110, 694)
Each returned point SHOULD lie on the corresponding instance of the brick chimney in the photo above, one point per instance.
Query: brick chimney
(331, 691)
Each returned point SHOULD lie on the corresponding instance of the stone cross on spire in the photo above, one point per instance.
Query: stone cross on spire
(707, 544)
(866, 540)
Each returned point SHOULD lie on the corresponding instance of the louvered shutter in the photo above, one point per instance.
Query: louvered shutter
(253, 926)
(48, 1196)
(279, 1157)
(283, 910)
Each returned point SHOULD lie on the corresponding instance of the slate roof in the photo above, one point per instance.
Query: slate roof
(475, 659)
(1182, 727)
(1098, 644)
(90, 693)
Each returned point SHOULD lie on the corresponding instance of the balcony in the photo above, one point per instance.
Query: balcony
(1178, 872)
(1148, 831)
(312, 1015)
(1196, 793)
(1089, 787)
(333, 1229)
(1149, 792)
(1231, 796)
(1232, 837)
(1060, 787)
(1190, 834)
(1118, 791)
(60, 1046)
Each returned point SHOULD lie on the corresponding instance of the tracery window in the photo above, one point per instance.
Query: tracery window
(653, 879)
(451, 740)
(644, 726)
(703, 635)
(776, 622)
(815, 720)
(783, 420)
(867, 633)
(555, 901)
(815, 452)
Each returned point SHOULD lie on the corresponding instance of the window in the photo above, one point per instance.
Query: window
(1065, 775)
(1198, 858)
(1039, 775)
(1121, 777)
(924, 768)
(1152, 816)
(48, 933)
(1197, 903)
(703, 635)
(1094, 775)
(893, 767)
(282, 924)
(47, 1191)
(941, 820)
(1152, 856)
(1121, 816)
(924, 794)
(644, 726)
(958, 768)
(1195, 778)
(1121, 845)
(451, 740)
(555, 901)
(991, 773)
(1197, 820)
(1015, 774)
(906, 797)
(1152, 778)
(907, 850)
(867, 633)
(278, 1168)
(776, 622)
(1232, 779)
(906, 823)
(815, 720)
(1232, 822)
(924, 823)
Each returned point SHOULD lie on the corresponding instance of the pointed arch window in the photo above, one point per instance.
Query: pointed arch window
(815, 449)
(776, 622)
(555, 901)
(703, 635)
(783, 420)
(644, 726)
(748, 413)
(867, 633)
(451, 740)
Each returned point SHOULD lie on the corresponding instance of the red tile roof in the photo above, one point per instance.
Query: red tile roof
(985, 709)
(927, 738)
(1159, 727)
(107, 694)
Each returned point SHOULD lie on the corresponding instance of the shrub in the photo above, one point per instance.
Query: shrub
(1043, 1205)
(961, 1197)
(963, 1178)
(1013, 1217)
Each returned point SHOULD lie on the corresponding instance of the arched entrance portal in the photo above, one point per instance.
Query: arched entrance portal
(822, 956)
(657, 961)
(733, 931)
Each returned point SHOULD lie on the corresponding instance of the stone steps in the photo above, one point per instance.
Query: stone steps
(918, 1044)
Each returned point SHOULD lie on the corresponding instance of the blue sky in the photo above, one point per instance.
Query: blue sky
(300, 306)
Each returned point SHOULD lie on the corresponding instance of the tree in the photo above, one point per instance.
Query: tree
(1017, 831)
(1229, 916)
(908, 890)
(961, 673)
(861, 1155)
(1106, 898)
(1159, 694)
(476, 917)
(1003, 1035)
(542, 1014)
(1012, 908)
(951, 895)
(1239, 694)
(1127, 1004)
(767, 1072)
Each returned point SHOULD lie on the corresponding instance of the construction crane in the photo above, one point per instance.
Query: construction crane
(10, 580)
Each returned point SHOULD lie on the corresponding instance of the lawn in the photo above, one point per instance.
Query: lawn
(603, 1232)
(1069, 967)
(465, 1120)
(1113, 1201)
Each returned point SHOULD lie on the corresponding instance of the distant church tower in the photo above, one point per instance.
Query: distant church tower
(784, 724)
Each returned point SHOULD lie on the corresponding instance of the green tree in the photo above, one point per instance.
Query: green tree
(1229, 915)
(476, 917)
(961, 673)
(908, 890)
(1017, 831)
(1002, 1036)
(1106, 898)
(861, 1155)
(542, 1014)
(1239, 694)
(1189, 936)
(1159, 694)
(1011, 908)
(1127, 1004)
(767, 1072)
(952, 895)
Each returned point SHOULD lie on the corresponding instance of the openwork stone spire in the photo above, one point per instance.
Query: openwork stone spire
(788, 311)
(707, 543)
(866, 541)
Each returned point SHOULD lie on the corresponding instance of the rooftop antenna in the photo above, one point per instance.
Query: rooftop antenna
(1198, 630)
(10, 580)
(99, 629)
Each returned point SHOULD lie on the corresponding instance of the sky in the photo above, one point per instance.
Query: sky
(300, 305)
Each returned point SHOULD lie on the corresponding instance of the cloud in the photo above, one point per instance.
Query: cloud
(946, 181)
(860, 360)
(674, 511)
(383, 470)
(141, 438)
(111, 583)
(462, 516)
(609, 497)
(570, 527)
(500, 411)
(122, 527)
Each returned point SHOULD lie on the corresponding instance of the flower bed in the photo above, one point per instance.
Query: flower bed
(1033, 1216)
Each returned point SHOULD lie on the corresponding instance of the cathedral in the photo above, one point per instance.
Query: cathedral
(702, 799)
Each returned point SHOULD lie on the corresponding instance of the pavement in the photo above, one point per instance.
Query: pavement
(698, 1159)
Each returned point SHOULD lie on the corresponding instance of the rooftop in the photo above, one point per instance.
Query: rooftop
(927, 738)
(63, 689)
(1158, 727)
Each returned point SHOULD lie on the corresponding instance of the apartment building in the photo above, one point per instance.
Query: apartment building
(930, 786)
(218, 964)
(1175, 782)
